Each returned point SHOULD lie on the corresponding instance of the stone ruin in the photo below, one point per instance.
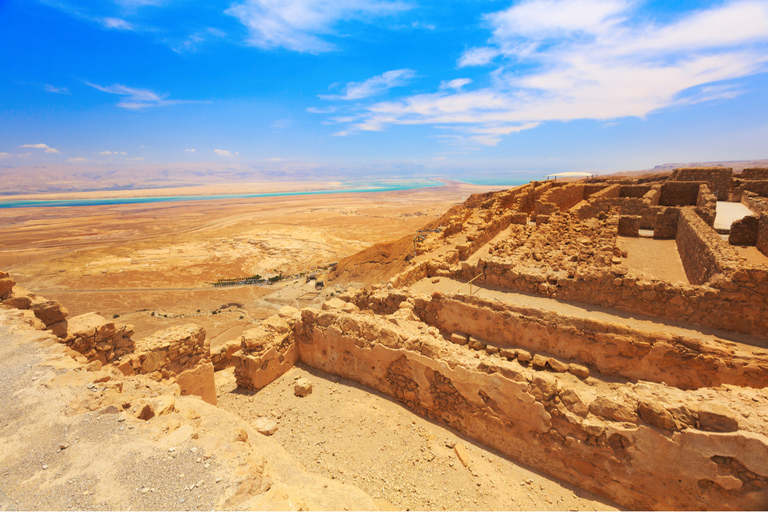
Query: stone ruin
(650, 393)
(179, 354)
(666, 412)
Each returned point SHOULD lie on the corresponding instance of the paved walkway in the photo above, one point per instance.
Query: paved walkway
(727, 213)
(581, 310)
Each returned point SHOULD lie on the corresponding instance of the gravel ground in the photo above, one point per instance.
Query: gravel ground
(350, 433)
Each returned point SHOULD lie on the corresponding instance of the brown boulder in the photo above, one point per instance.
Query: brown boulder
(6, 284)
(656, 415)
(49, 311)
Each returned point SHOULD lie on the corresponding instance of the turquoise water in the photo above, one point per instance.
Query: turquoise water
(349, 188)
(501, 181)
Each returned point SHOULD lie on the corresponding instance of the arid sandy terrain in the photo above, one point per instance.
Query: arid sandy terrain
(151, 266)
(139, 259)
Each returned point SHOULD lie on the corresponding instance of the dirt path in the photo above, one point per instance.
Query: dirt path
(347, 432)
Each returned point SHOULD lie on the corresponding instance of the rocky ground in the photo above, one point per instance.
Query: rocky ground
(354, 435)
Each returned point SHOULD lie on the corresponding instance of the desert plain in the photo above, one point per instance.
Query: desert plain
(439, 348)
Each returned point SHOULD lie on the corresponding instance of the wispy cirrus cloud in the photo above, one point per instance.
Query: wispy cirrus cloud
(133, 98)
(107, 153)
(55, 90)
(561, 60)
(225, 152)
(374, 86)
(45, 147)
(116, 23)
(299, 25)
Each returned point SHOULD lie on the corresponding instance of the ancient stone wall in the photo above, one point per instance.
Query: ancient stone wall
(98, 339)
(49, 312)
(744, 231)
(754, 173)
(679, 193)
(267, 351)
(761, 241)
(482, 236)
(645, 446)
(719, 179)
(634, 190)
(758, 187)
(527, 197)
(564, 197)
(665, 224)
(611, 349)
(732, 303)
(702, 251)
(629, 225)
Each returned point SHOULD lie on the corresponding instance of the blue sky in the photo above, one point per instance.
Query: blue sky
(426, 87)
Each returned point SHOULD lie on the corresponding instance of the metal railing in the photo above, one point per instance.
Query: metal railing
(470, 284)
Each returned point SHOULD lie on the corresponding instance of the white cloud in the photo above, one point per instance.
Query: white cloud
(458, 83)
(117, 24)
(5, 155)
(47, 148)
(376, 85)
(77, 160)
(560, 60)
(321, 110)
(57, 90)
(298, 24)
(225, 152)
(138, 98)
(478, 57)
(190, 150)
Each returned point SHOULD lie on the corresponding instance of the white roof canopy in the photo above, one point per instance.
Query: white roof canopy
(571, 175)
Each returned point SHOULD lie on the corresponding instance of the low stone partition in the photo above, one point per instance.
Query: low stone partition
(735, 303)
(529, 195)
(484, 235)
(744, 231)
(608, 348)
(703, 252)
(754, 173)
(178, 354)
(629, 225)
(267, 351)
(761, 241)
(644, 445)
(98, 339)
(563, 197)
(718, 178)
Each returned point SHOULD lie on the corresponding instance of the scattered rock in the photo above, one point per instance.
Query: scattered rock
(461, 453)
(302, 387)
(265, 426)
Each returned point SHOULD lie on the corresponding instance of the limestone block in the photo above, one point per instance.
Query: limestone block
(302, 388)
(333, 303)
(459, 338)
(49, 311)
(199, 381)
(265, 426)
(717, 417)
(17, 301)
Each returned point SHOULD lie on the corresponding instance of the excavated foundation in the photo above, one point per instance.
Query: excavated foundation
(557, 393)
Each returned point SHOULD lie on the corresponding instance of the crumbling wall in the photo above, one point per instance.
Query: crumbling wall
(638, 191)
(679, 193)
(718, 178)
(702, 251)
(758, 187)
(564, 197)
(761, 241)
(484, 234)
(179, 354)
(754, 173)
(645, 446)
(49, 312)
(665, 224)
(98, 339)
(527, 197)
(607, 348)
(734, 303)
(744, 231)
(267, 351)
